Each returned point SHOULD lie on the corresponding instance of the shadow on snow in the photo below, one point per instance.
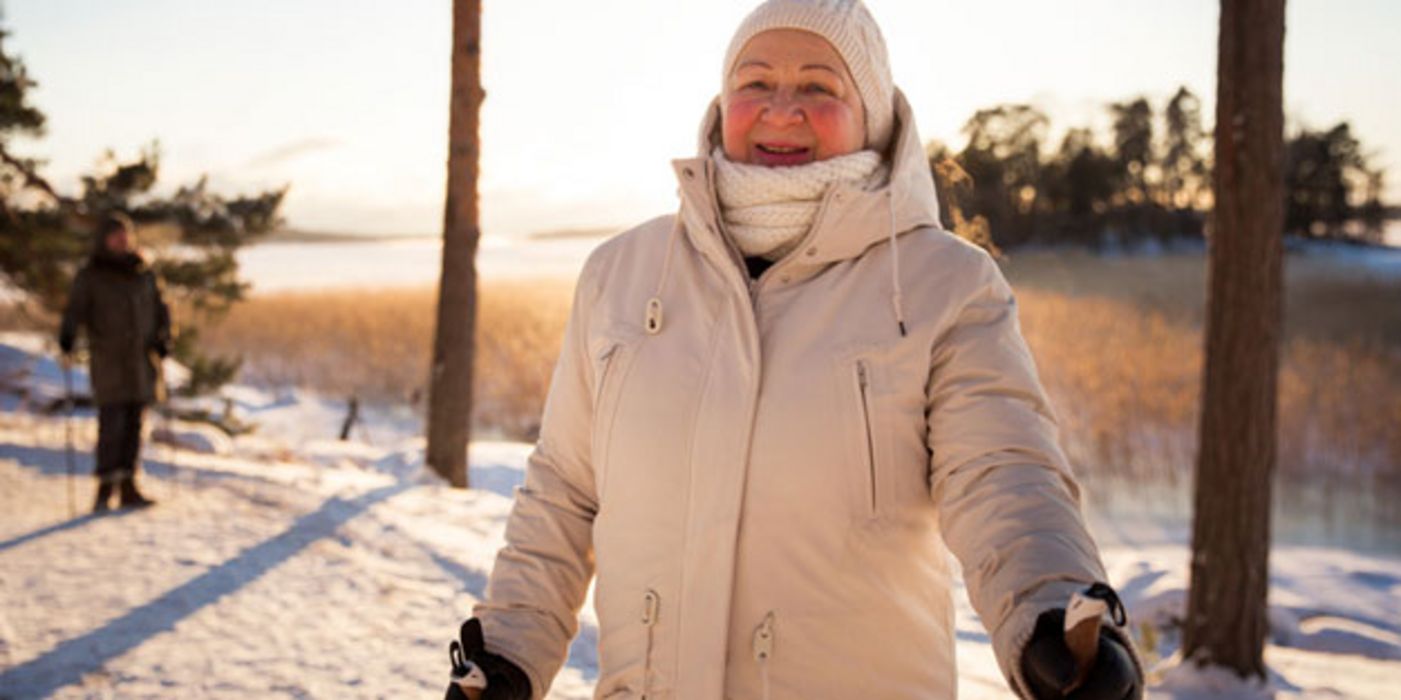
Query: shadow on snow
(67, 662)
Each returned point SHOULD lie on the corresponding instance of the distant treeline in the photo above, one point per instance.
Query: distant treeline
(1149, 179)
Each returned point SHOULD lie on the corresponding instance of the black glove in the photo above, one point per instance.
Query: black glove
(504, 680)
(162, 349)
(1048, 666)
(65, 343)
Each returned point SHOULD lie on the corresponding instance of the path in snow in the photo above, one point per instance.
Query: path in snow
(290, 580)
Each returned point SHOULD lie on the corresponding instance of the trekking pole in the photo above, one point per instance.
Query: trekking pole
(68, 434)
(161, 406)
(171, 454)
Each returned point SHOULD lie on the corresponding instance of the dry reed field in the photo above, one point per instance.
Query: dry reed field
(376, 344)
(1118, 342)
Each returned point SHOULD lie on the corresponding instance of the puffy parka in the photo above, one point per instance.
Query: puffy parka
(767, 475)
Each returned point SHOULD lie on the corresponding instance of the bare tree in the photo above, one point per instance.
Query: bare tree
(450, 383)
(1226, 621)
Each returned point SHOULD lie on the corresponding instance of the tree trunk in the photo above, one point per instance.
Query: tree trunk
(1226, 621)
(450, 383)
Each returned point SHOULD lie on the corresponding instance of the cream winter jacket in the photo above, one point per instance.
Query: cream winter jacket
(764, 474)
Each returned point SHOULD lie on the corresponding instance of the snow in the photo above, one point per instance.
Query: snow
(287, 563)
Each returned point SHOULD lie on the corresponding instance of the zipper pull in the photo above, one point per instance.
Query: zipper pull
(763, 639)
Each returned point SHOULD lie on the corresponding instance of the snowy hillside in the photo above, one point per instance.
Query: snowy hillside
(288, 564)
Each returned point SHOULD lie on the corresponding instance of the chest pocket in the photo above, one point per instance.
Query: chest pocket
(882, 387)
(611, 353)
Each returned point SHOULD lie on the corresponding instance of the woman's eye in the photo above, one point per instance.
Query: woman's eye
(754, 85)
(818, 89)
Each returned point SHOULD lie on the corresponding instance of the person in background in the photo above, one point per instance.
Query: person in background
(774, 411)
(117, 301)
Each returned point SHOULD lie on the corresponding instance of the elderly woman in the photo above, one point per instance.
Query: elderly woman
(775, 409)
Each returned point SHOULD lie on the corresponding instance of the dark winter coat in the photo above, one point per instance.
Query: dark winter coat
(117, 300)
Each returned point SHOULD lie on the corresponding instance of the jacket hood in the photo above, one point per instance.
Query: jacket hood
(850, 221)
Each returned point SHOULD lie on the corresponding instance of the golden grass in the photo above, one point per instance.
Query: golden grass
(1118, 341)
(376, 344)
(1126, 385)
(1325, 298)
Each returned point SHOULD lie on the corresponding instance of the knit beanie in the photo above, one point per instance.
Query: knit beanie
(849, 27)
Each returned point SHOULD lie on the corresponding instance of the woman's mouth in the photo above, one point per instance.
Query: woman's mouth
(781, 154)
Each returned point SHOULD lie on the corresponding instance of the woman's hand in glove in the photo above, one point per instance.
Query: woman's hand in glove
(504, 680)
(1049, 667)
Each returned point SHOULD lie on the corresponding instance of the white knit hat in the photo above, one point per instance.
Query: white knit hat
(849, 27)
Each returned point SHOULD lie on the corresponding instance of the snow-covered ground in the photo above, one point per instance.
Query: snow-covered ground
(289, 564)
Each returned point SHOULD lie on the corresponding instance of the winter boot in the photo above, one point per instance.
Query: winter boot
(104, 494)
(131, 498)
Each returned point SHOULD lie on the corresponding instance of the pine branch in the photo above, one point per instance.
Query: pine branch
(31, 178)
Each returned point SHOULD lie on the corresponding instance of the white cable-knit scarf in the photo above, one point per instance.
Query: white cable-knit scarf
(767, 210)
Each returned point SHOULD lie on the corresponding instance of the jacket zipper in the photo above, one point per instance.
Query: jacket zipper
(607, 359)
(862, 383)
(803, 244)
(651, 607)
(600, 430)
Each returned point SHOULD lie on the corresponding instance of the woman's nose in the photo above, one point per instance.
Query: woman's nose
(783, 110)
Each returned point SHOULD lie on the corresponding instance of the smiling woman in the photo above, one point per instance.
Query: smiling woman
(790, 100)
(763, 430)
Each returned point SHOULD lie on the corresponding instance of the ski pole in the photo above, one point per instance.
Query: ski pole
(171, 454)
(68, 433)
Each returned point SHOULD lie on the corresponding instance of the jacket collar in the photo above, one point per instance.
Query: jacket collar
(850, 219)
(130, 263)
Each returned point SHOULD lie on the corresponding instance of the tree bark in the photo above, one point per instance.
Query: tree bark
(1226, 621)
(450, 383)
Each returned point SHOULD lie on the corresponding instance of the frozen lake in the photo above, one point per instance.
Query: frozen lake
(412, 262)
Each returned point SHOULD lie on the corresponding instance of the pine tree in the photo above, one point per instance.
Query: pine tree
(1184, 168)
(1226, 621)
(45, 234)
(450, 386)
(1133, 147)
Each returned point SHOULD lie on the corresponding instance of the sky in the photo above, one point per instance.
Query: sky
(587, 103)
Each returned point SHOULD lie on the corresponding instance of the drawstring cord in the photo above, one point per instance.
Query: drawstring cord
(895, 298)
(653, 318)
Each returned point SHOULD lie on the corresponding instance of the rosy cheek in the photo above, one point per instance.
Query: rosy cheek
(835, 125)
(738, 119)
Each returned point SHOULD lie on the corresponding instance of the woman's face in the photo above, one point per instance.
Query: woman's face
(789, 100)
(118, 241)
